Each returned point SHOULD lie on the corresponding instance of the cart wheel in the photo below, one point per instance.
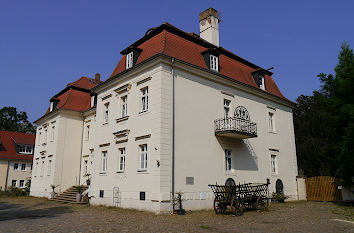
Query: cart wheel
(237, 205)
(262, 203)
(219, 207)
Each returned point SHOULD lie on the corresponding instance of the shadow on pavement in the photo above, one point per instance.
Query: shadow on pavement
(17, 211)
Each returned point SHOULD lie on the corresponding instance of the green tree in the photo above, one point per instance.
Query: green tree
(11, 120)
(325, 123)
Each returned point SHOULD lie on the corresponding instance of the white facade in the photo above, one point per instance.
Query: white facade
(56, 159)
(151, 132)
(199, 100)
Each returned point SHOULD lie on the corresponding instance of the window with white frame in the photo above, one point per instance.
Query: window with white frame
(144, 99)
(51, 106)
(16, 167)
(52, 134)
(92, 101)
(124, 107)
(14, 183)
(22, 183)
(214, 63)
(143, 157)
(104, 161)
(49, 170)
(273, 164)
(261, 82)
(121, 165)
(228, 160)
(22, 149)
(42, 168)
(29, 149)
(271, 122)
(106, 113)
(87, 134)
(129, 61)
(23, 167)
(25, 149)
(226, 108)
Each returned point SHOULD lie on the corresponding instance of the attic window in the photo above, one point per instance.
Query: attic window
(214, 63)
(51, 106)
(211, 58)
(129, 62)
(259, 80)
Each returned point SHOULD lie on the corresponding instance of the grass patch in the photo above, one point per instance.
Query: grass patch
(345, 211)
(206, 227)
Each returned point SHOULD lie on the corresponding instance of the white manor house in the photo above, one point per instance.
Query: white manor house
(179, 112)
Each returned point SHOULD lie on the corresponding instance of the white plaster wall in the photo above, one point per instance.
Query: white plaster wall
(200, 154)
(44, 151)
(64, 152)
(155, 181)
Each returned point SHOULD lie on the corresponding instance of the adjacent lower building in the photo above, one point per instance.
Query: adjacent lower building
(179, 112)
(16, 155)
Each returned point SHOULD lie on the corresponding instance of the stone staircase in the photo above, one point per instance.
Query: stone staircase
(69, 196)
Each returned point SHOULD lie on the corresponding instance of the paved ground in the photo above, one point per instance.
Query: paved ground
(28, 214)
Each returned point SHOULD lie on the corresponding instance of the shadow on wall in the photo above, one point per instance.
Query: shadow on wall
(246, 157)
(243, 154)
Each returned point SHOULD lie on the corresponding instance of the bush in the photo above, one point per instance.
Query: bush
(13, 192)
(279, 197)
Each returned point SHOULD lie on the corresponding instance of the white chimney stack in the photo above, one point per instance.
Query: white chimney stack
(209, 26)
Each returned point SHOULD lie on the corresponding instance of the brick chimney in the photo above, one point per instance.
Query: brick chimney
(97, 78)
(209, 26)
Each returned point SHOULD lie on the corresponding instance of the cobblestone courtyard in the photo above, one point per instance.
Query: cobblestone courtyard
(28, 214)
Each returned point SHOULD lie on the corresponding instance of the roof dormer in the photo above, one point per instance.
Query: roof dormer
(53, 104)
(132, 55)
(211, 58)
(258, 77)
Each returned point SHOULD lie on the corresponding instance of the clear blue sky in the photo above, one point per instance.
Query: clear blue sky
(46, 44)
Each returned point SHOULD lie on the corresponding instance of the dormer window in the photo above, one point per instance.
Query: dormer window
(258, 77)
(211, 58)
(214, 63)
(129, 62)
(51, 106)
(93, 100)
(261, 83)
(25, 149)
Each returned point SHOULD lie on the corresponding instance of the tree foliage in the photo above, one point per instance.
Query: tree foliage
(11, 120)
(324, 123)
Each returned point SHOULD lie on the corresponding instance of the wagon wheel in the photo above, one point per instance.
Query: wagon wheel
(262, 203)
(219, 207)
(237, 204)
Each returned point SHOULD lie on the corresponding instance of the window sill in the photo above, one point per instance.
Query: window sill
(122, 119)
(120, 171)
(142, 171)
(103, 173)
(273, 132)
(105, 124)
(143, 112)
(274, 174)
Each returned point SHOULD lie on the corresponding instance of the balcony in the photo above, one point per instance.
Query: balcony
(235, 127)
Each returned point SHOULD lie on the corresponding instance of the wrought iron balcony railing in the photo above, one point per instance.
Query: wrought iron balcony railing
(235, 127)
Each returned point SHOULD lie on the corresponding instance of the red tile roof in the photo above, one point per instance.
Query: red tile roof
(76, 96)
(171, 41)
(8, 140)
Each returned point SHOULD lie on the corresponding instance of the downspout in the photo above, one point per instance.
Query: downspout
(173, 135)
(82, 141)
(7, 173)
